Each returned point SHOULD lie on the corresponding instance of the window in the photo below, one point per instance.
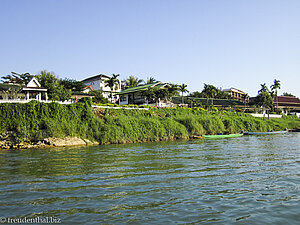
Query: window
(123, 98)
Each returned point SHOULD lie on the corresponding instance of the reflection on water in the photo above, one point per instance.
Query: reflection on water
(252, 180)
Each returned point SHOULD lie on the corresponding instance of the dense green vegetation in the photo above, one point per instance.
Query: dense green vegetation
(35, 121)
(211, 92)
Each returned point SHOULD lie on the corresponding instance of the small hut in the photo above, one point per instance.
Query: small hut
(33, 90)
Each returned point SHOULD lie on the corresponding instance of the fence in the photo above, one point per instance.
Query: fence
(26, 101)
(272, 116)
(109, 107)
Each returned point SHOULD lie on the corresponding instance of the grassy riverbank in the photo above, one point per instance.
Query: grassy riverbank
(36, 121)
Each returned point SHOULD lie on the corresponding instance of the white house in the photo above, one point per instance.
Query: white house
(33, 90)
(97, 82)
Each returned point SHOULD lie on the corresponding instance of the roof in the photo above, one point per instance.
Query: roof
(142, 87)
(33, 89)
(33, 83)
(89, 87)
(283, 101)
(234, 89)
(287, 99)
(161, 85)
(94, 77)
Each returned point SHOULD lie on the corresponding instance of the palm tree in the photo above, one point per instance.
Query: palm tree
(182, 89)
(209, 91)
(213, 93)
(263, 88)
(264, 98)
(276, 86)
(173, 90)
(150, 80)
(133, 82)
(245, 96)
(111, 83)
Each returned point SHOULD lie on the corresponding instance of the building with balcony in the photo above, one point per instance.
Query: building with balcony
(236, 93)
(98, 83)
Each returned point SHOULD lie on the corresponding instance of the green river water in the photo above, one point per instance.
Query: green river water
(245, 180)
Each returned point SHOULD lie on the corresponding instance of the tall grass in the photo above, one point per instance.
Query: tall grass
(35, 121)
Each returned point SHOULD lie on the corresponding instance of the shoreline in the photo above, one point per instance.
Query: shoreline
(35, 124)
(73, 142)
(46, 143)
(70, 142)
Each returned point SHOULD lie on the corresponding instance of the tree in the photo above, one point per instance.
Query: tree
(149, 94)
(150, 80)
(64, 94)
(263, 88)
(213, 93)
(98, 97)
(55, 91)
(245, 97)
(210, 91)
(223, 95)
(276, 86)
(196, 94)
(288, 94)
(264, 99)
(132, 82)
(182, 89)
(173, 90)
(71, 84)
(112, 83)
(11, 93)
(16, 78)
(161, 93)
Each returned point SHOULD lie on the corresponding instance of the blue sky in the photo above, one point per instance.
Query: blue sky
(227, 43)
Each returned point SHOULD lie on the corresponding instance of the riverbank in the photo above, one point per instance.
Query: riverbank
(7, 142)
(35, 123)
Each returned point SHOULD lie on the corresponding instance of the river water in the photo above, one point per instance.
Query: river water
(246, 180)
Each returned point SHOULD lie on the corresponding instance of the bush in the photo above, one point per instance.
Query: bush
(36, 120)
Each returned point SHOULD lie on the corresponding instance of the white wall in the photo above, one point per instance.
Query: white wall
(272, 116)
(297, 114)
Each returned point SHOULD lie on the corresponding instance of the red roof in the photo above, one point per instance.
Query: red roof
(287, 99)
(90, 87)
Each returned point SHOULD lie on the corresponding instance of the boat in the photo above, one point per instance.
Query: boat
(217, 136)
(294, 130)
(268, 132)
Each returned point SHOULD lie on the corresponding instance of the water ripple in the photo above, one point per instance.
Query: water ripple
(252, 180)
